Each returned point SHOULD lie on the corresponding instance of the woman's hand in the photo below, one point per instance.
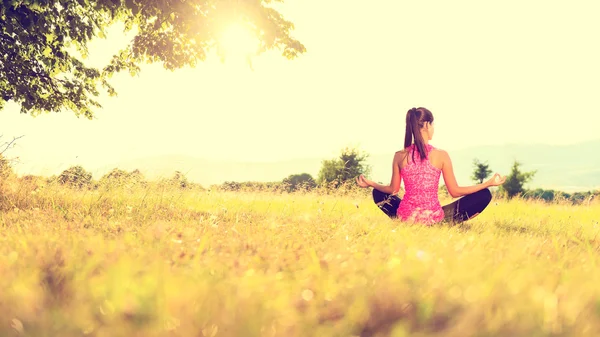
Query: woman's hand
(496, 180)
(362, 181)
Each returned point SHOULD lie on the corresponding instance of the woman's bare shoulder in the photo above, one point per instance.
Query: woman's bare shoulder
(400, 154)
(439, 156)
(439, 151)
(400, 157)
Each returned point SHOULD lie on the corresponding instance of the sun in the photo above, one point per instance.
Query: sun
(237, 41)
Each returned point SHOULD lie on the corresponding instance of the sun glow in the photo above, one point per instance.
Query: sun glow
(237, 41)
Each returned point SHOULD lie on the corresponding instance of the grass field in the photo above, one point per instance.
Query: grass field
(158, 261)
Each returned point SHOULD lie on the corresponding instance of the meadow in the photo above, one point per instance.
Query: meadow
(159, 260)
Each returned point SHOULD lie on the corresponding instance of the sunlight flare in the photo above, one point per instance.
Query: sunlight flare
(238, 42)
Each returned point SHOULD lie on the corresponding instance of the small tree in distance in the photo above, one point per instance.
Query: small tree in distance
(75, 176)
(299, 181)
(330, 172)
(179, 179)
(516, 180)
(350, 164)
(119, 177)
(481, 171)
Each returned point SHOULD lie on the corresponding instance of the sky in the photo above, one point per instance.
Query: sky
(492, 73)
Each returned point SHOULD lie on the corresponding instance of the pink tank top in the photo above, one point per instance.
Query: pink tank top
(421, 179)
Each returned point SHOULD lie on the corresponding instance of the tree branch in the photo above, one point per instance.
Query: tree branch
(7, 145)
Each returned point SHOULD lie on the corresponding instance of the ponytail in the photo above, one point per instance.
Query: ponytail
(415, 119)
(408, 136)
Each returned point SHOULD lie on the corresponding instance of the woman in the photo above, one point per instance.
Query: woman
(419, 165)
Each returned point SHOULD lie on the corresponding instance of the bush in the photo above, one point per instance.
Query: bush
(121, 178)
(337, 172)
(75, 176)
(299, 182)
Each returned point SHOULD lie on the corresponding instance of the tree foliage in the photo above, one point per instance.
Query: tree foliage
(75, 176)
(330, 171)
(122, 178)
(39, 41)
(513, 186)
(303, 181)
(546, 195)
(575, 198)
(481, 171)
(179, 179)
(350, 164)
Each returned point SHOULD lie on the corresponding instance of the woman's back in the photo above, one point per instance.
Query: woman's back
(420, 166)
(421, 179)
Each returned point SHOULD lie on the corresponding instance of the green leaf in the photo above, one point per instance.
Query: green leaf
(47, 52)
(35, 7)
(50, 37)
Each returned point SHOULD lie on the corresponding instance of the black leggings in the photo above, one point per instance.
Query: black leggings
(460, 210)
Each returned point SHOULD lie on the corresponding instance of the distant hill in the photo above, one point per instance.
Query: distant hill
(207, 172)
(567, 168)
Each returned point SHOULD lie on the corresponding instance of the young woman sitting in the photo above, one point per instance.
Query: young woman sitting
(420, 165)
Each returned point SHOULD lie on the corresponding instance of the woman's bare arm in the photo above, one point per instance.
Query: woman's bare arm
(459, 191)
(394, 185)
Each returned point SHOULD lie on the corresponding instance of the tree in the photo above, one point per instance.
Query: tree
(513, 185)
(75, 176)
(350, 164)
(118, 177)
(330, 171)
(539, 193)
(481, 171)
(299, 181)
(179, 179)
(231, 186)
(39, 42)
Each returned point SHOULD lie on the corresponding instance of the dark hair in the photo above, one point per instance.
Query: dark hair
(415, 120)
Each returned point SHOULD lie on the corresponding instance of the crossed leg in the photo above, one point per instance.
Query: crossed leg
(387, 203)
(467, 207)
(463, 209)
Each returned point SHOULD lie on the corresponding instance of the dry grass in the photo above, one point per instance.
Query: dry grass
(157, 261)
